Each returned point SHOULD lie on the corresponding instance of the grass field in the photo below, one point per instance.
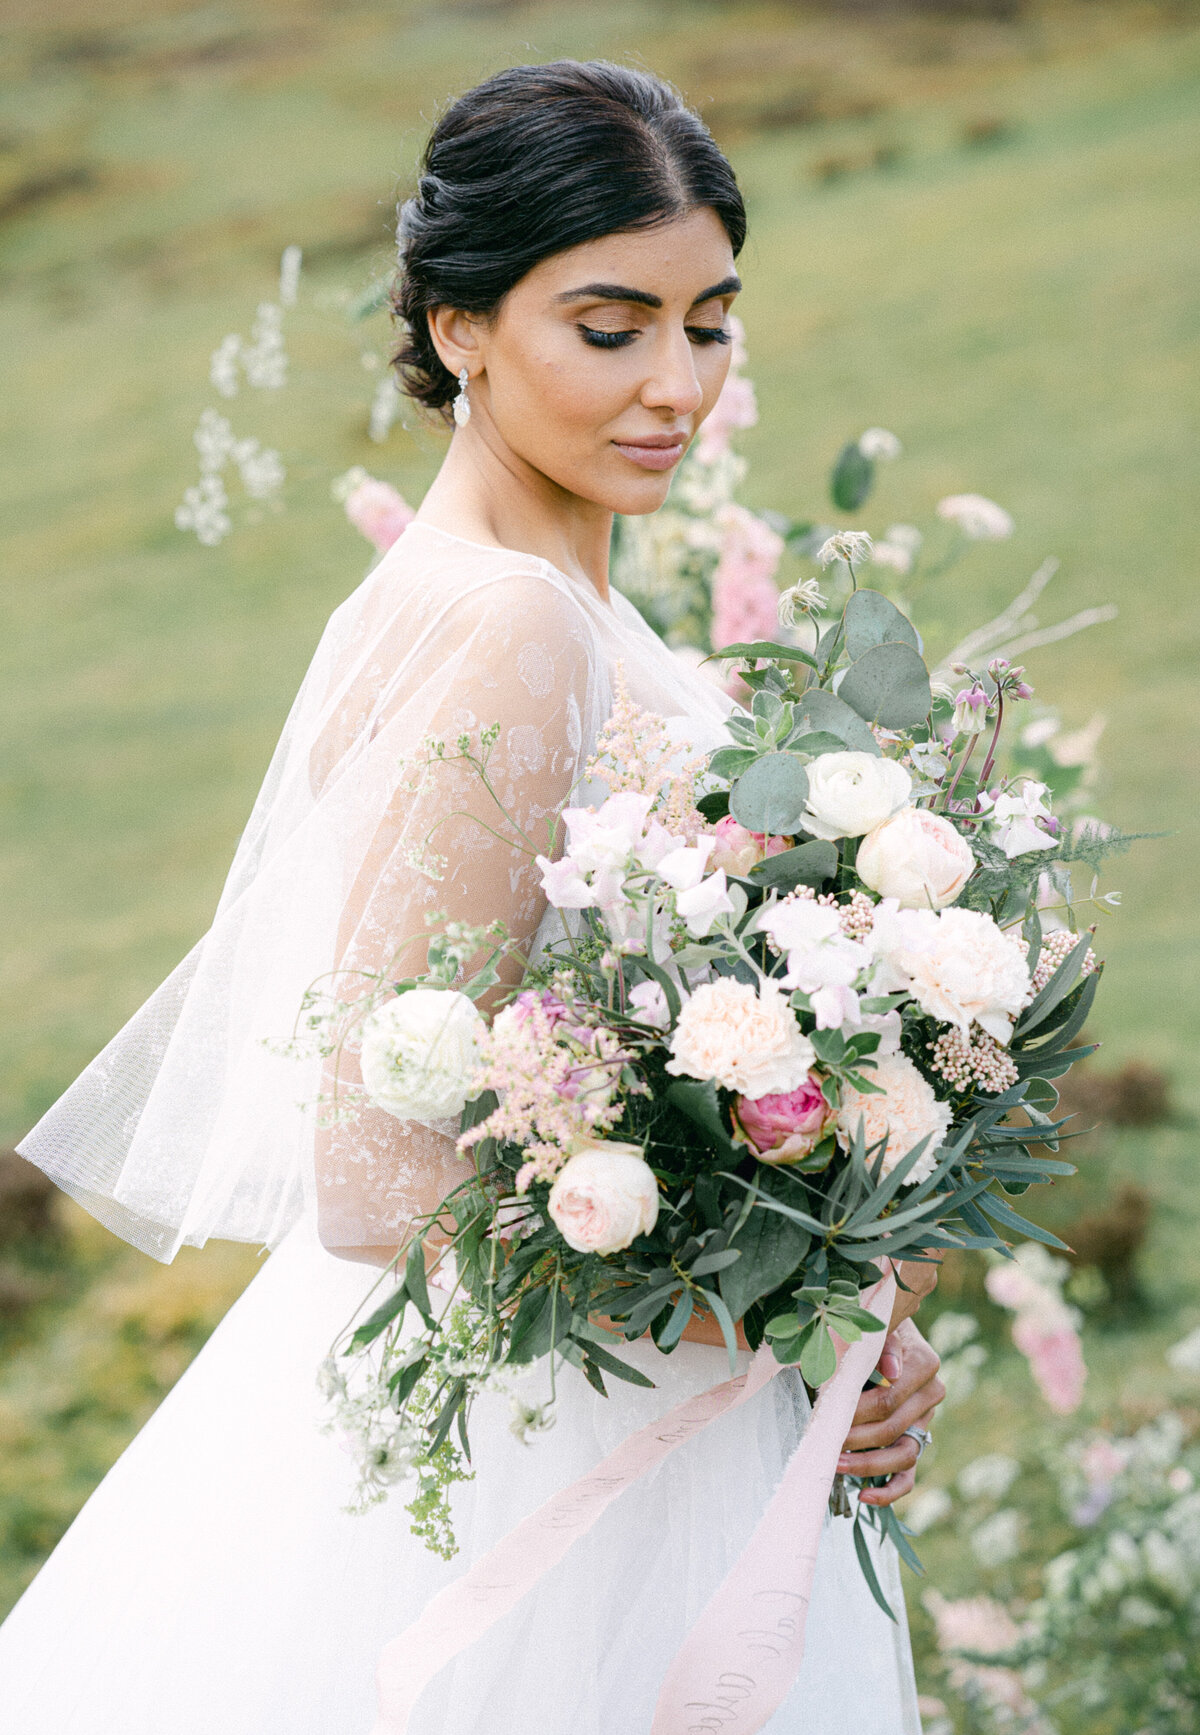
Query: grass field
(980, 235)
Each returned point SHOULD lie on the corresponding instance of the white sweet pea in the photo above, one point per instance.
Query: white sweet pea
(834, 1006)
(821, 960)
(851, 793)
(607, 836)
(700, 905)
(1014, 818)
(897, 935)
(657, 843)
(564, 884)
(684, 868)
(649, 1003)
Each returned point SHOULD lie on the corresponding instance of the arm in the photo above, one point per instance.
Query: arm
(517, 653)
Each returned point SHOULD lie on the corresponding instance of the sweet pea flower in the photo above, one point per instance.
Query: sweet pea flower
(1020, 818)
(700, 905)
(605, 837)
(564, 884)
(683, 868)
(648, 1002)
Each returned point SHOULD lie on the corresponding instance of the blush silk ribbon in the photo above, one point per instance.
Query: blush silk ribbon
(736, 1665)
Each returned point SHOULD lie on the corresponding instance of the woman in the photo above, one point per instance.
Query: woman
(568, 267)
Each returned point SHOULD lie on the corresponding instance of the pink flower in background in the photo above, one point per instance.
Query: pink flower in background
(1045, 1329)
(745, 595)
(785, 1126)
(378, 512)
(736, 408)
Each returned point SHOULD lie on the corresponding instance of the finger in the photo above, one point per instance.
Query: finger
(919, 1367)
(887, 1460)
(891, 1361)
(866, 1436)
(894, 1490)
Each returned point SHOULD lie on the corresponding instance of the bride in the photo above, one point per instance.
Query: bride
(567, 274)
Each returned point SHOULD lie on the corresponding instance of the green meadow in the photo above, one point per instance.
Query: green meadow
(980, 233)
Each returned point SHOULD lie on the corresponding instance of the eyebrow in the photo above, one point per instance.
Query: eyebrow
(643, 297)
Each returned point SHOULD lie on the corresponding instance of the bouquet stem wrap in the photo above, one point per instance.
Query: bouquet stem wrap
(738, 1662)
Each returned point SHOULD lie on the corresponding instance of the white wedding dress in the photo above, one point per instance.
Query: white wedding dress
(214, 1584)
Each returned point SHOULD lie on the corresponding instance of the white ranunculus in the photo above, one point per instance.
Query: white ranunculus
(917, 858)
(851, 793)
(747, 1040)
(420, 1053)
(605, 1196)
(907, 1112)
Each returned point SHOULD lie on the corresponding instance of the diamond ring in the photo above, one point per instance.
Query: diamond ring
(921, 1436)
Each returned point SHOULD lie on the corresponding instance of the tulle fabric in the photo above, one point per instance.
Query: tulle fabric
(186, 1126)
(214, 1583)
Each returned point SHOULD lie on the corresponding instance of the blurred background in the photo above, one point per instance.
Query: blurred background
(973, 222)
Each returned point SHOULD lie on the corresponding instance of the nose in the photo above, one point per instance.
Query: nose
(672, 384)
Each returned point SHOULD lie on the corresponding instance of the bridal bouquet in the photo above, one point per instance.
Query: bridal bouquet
(804, 1022)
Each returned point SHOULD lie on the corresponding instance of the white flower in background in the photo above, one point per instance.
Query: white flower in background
(260, 468)
(849, 545)
(386, 405)
(878, 443)
(213, 440)
(998, 1538)
(529, 1418)
(927, 1507)
(223, 367)
(804, 599)
(264, 358)
(979, 518)
(420, 1052)
(916, 857)
(907, 1112)
(289, 275)
(851, 793)
(204, 511)
(891, 555)
(605, 1196)
(747, 1040)
(950, 1332)
(989, 1477)
(969, 972)
(1017, 818)
(1184, 1356)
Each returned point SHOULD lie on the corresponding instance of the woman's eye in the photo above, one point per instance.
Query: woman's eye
(606, 339)
(709, 334)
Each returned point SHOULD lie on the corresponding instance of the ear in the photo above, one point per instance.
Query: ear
(455, 336)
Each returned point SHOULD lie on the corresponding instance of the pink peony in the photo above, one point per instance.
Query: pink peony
(604, 1198)
(916, 857)
(786, 1126)
(738, 850)
(375, 509)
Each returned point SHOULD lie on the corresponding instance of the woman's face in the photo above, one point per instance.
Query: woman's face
(603, 361)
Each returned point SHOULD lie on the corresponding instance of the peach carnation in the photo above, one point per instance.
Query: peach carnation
(746, 1040)
(907, 1112)
(969, 972)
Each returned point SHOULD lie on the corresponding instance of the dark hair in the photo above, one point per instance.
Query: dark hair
(530, 162)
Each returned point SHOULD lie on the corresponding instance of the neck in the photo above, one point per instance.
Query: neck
(486, 493)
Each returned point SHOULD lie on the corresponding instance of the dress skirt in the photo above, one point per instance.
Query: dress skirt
(215, 1585)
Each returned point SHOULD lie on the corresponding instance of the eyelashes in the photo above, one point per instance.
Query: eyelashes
(700, 334)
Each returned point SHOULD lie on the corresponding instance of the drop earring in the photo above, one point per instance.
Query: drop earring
(462, 404)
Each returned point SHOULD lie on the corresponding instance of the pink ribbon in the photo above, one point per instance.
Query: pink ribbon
(740, 1658)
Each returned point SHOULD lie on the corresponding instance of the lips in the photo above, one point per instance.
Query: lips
(654, 451)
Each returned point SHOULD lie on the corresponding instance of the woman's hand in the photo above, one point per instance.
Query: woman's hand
(877, 1444)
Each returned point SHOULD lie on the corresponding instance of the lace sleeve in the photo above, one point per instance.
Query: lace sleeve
(518, 654)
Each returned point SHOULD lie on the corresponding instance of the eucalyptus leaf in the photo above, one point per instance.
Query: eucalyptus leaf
(888, 685)
(770, 796)
(809, 864)
(872, 620)
(824, 713)
(852, 478)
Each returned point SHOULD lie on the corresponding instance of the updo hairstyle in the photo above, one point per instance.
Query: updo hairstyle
(533, 161)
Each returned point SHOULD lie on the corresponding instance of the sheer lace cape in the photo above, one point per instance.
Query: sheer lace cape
(187, 1125)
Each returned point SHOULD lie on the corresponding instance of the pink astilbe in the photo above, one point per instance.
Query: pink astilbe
(634, 753)
(1044, 1329)
(555, 1079)
(745, 595)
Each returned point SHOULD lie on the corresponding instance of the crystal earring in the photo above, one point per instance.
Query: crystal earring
(462, 403)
